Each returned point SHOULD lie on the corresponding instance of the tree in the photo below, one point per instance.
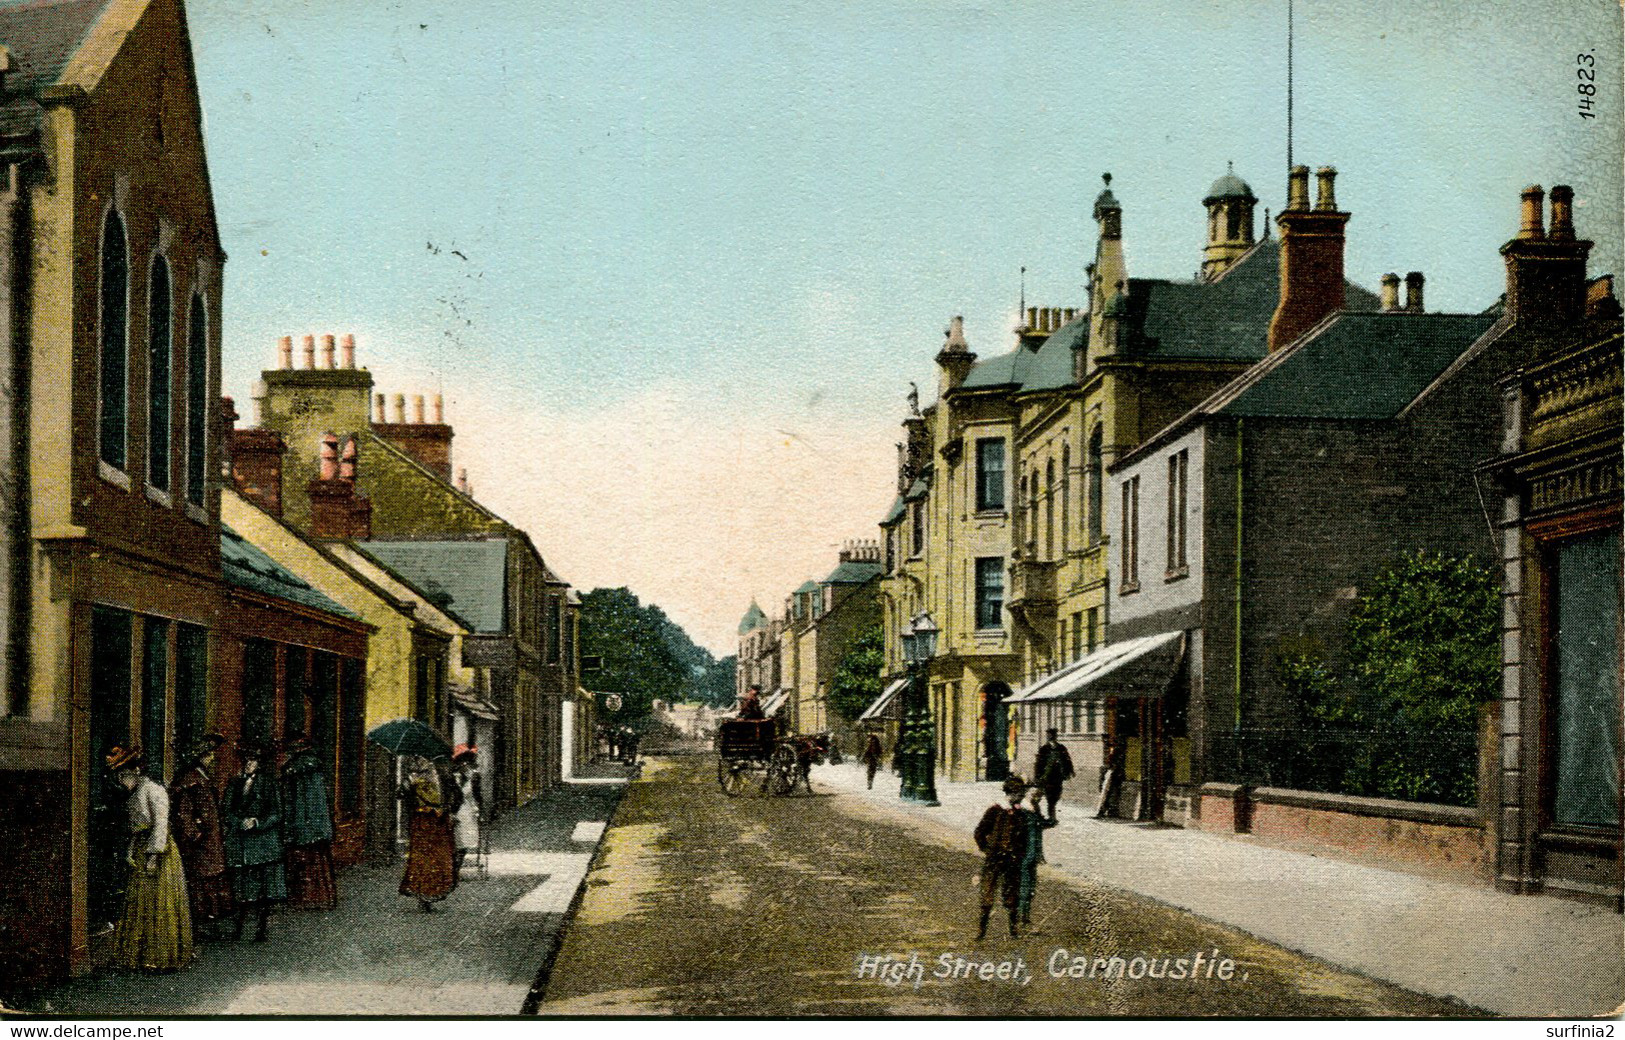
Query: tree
(638, 660)
(856, 682)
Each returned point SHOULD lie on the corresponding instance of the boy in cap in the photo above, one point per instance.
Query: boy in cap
(1002, 837)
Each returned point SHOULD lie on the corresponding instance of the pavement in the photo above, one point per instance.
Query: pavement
(1525, 956)
(479, 953)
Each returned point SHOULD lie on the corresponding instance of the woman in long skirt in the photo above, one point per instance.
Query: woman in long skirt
(253, 815)
(194, 811)
(466, 821)
(429, 873)
(155, 931)
(309, 830)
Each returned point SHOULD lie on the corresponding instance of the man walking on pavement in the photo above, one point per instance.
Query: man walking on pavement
(1053, 768)
(872, 754)
(1002, 837)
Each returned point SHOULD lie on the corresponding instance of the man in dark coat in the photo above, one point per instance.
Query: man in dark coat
(194, 822)
(1111, 783)
(1002, 838)
(751, 706)
(252, 811)
(1053, 768)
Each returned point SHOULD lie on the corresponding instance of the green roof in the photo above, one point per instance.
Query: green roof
(853, 572)
(1229, 187)
(246, 566)
(471, 574)
(1358, 366)
(895, 513)
(807, 586)
(753, 619)
(1048, 367)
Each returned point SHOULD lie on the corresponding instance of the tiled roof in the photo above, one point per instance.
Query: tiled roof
(244, 565)
(1358, 366)
(43, 36)
(853, 572)
(1227, 319)
(472, 574)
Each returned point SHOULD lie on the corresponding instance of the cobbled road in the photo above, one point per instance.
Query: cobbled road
(705, 905)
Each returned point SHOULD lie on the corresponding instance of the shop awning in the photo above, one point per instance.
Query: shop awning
(771, 706)
(877, 708)
(1136, 668)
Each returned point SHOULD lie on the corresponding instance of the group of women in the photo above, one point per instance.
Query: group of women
(206, 861)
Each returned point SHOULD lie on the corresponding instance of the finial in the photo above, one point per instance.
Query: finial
(1022, 309)
(1107, 178)
(1229, 166)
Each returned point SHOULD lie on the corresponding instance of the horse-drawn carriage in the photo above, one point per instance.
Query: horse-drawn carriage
(746, 747)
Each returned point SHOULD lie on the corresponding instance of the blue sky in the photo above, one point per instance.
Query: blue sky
(707, 246)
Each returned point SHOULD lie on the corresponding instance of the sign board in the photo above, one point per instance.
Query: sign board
(612, 701)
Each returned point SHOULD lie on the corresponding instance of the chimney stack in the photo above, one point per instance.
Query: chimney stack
(955, 358)
(261, 392)
(1413, 292)
(400, 408)
(348, 459)
(1562, 229)
(309, 344)
(327, 352)
(284, 353)
(439, 410)
(381, 407)
(1032, 317)
(1390, 293)
(256, 466)
(347, 350)
(1546, 273)
(462, 480)
(330, 456)
(1311, 258)
(417, 408)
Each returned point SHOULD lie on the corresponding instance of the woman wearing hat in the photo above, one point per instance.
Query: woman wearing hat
(194, 815)
(253, 814)
(155, 931)
(309, 830)
(466, 821)
(430, 875)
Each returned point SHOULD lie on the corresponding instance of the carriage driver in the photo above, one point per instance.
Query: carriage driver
(751, 706)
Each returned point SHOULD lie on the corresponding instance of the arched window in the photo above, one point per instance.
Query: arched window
(160, 362)
(114, 348)
(1049, 510)
(1096, 476)
(1066, 497)
(197, 400)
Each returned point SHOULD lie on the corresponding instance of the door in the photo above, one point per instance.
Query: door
(111, 674)
(996, 730)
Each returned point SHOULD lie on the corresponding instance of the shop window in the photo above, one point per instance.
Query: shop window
(155, 694)
(352, 736)
(191, 686)
(259, 691)
(1586, 682)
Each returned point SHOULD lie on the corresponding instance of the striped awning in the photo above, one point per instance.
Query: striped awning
(877, 708)
(771, 706)
(1134, 668)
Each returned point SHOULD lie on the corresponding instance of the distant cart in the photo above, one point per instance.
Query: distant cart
(748, 749)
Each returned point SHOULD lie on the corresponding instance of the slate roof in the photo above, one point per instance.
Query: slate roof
(42, 35)
(853, 572)
(753, 619)
(895, 513)
(1358, 366)
(473, 575)
(244, 565)
(1227, 319)
(807, 586)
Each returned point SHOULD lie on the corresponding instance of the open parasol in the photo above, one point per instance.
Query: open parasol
(410, 737)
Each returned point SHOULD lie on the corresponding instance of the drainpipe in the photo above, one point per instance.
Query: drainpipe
(14, 506)
(1240, 458)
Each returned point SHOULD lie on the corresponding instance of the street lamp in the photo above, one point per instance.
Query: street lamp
(920, 738)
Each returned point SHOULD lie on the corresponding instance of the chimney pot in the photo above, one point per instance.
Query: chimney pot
(1413, 292)
(462, 479)
(284, 352)
(259, 393)
(400, 408)
(1297, 188)
(1532, 217)
(347, 350)
(327, 351)
(379, 403)
(1032, 317)
(417, 408)
(1325, 197)
(1562, 227)
(439, 410)
(309, 347)
(1390, 292)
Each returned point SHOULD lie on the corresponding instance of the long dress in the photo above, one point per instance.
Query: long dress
(429, 853)
(254, 856)
(194, 812)
(466, 822)
(155, 931)
(309, 834)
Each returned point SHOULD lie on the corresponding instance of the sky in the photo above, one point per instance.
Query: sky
(674, 265)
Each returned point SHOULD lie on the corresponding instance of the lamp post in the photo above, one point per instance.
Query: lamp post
(920, 738)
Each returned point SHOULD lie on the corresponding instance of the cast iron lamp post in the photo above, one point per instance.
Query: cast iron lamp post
(920, 738)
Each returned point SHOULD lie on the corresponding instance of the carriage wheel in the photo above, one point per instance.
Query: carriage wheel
(730, 777)
(782, 769)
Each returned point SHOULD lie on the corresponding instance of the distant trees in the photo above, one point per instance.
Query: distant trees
(856, 682)
(647, 657)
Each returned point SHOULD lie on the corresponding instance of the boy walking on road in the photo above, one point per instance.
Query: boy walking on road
(1002, 838)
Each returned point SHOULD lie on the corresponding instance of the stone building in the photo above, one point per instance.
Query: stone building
(1558, 785)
